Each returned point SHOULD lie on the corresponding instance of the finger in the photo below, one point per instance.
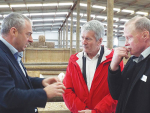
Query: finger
(57, 79)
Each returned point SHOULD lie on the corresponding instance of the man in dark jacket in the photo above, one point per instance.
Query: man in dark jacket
(20, 93)
(131, 87)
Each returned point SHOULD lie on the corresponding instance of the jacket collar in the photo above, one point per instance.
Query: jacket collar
(106, 57)
(12, 59)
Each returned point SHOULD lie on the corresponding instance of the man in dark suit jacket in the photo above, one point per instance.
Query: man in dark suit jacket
(131, 87)
(20, 93)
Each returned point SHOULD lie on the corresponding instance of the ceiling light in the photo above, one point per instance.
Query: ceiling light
(48, 19)
(36, 20)
(116, 19)
(35, 14)
(48, 13)
(83, 21)
(62, 4)
(3, 6)
(51, 4)
(121, 30)
(43, 20)
(122, 26)
(103, 17)
(5, 16)
(70, 19)
(58, 13)
(81, 14)
(37, 32)
(125, 20)
(76, 20)
(81, 4)
(127, 11)
(142, 13)
(100, 7)
(115, 25)
(19, 5)
(60, 19)
(93, 16)
(34, 5)
(116, 9)
(115, 30)
(42, 25)
(26, 14)
(54, 31)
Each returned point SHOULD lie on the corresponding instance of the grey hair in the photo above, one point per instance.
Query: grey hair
(96, 26)
(13, 20)
(140, 23)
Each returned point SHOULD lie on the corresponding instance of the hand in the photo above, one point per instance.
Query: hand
(119, 53)
(49, 81)
(55, 89)
(85, 111)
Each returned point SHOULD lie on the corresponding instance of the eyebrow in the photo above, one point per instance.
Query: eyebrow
(29, 32)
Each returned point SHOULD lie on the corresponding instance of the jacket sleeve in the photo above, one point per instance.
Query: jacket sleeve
(70, 98)
(107, 104)
(115, 82)
(13, 97)
(36, 82)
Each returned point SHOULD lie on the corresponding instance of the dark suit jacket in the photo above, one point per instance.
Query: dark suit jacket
(18, 94)
(131, 87)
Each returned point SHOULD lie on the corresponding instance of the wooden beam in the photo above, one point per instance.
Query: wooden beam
(115, 1)
(132, 3)
(148, 5)
(73, 7)
(88, 10)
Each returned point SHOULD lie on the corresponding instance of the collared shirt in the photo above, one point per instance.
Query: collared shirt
(90, 68)
(91, 64)
(143, 55)
(13, 51)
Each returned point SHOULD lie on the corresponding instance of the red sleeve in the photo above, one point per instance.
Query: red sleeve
(73, 103)
(106, 105)
(121, 65)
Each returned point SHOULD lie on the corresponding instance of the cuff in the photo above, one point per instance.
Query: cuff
(113, 72)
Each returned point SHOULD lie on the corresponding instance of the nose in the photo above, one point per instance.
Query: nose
(84, 41)
(30, 39)
(126, 43)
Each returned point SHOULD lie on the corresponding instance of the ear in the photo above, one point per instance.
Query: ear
(100, 41)
(145, 35)
(13, 32)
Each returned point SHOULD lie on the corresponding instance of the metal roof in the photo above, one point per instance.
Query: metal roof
(49, 15)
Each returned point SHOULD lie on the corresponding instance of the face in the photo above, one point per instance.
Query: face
(23, 38)
(90, 45)
(134, 40)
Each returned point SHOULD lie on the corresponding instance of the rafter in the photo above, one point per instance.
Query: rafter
(73, 7)
(115, 1)
(146, 6)
(132, 3)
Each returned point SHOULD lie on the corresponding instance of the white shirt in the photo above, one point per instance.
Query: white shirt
(143, 55)
(91, 64)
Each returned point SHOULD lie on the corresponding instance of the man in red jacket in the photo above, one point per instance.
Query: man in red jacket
(86, 76)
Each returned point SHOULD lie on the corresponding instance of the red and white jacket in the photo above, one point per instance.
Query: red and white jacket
(77, 96)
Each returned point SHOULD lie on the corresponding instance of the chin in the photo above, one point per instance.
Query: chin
(85, 50)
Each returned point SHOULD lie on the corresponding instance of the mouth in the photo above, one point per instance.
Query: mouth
(85, 47)
(26, 45)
